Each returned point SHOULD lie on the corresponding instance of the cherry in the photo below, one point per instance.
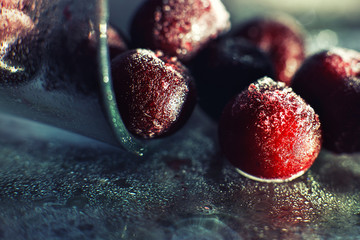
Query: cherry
(226, 67)
(155, 94)
(330, 81)
(270, 133)
(178, 27)
(14, 24)
(17, 46)
(21, 5)
(281, 38)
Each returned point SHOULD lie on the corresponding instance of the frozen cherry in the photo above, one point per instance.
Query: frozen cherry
(17, 45)
(22, 5)
(178, 27)
(226, 67)
(155, 94)
(13, 24)
(281, 38)
(330, 81)
(269, 133)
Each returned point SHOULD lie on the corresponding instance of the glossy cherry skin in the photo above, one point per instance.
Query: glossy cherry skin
(282, 38)
(178, 27)
(155, 94)
(269, 133)
(226, 67)
(330, 81)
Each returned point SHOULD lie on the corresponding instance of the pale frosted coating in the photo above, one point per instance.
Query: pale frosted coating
(351, 60)
(13, 24)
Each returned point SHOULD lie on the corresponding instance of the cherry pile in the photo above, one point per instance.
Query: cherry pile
(267, 130)
(154, 90)
(274, 106)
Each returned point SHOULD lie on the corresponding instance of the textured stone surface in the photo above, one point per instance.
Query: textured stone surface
(56, 185)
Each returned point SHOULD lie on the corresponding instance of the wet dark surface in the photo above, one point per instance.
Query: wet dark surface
(56, 185)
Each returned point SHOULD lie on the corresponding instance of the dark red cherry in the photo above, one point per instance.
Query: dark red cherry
(270, 133)
(226, 67)
(178, 27)
(282, 38)
(330, 81)
(155, 94)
